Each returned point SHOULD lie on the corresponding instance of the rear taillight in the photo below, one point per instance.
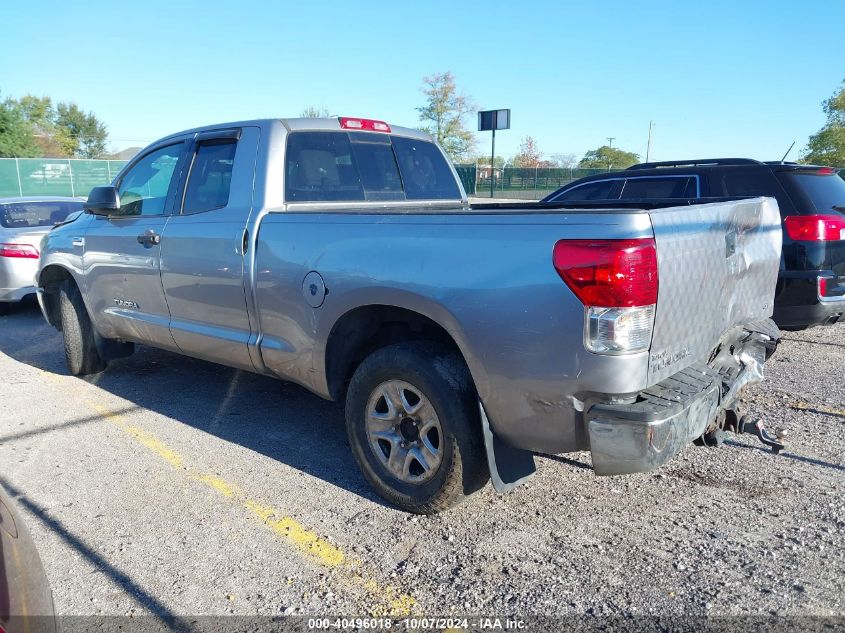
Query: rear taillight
(815, 228)
(24, 251)
(348, 123)
(609, 273)
(616, 280)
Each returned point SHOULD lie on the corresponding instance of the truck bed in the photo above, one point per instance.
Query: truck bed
(595, 206)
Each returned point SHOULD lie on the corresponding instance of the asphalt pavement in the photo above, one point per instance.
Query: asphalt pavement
(175, 487)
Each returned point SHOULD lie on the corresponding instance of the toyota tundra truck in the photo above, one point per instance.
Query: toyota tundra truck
(342, 254)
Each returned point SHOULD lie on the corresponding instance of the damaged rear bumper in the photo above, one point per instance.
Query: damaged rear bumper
(642, 434)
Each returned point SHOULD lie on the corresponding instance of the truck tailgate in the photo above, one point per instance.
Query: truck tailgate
(717, 268)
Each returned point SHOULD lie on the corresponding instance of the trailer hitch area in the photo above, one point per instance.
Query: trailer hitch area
(756, 427)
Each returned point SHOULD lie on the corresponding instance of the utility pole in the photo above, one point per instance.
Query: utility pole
(610, 140)
(648, 147)
(493, 164)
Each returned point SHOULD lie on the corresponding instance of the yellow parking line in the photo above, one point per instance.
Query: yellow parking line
(806, 406)
(218, 484)
(385, 600)
(293, 531)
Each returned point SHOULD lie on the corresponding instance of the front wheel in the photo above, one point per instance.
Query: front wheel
(80, 346)
(413, 425)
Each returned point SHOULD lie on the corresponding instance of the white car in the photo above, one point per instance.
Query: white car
(23, 222)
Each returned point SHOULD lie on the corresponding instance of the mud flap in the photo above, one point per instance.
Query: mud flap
(109, 349)
(509, 467)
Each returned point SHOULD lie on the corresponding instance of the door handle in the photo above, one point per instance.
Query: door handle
(149, 238)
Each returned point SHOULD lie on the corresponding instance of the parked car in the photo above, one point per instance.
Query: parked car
(23, 222)
(342, 254)
(26, 602)
(811, 285)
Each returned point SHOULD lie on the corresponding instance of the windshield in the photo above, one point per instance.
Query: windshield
(27, 215)
(815, 192)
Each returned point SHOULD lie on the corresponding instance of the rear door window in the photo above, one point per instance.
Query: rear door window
(648, 188)
(814, 192)
(210, 177)
(596, 190)
(28, 215)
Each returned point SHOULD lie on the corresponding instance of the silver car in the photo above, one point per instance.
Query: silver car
(23, 222)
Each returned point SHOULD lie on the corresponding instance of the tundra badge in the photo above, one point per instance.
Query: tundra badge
(121, 303)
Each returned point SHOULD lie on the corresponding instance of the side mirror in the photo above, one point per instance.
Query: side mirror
(103, 201)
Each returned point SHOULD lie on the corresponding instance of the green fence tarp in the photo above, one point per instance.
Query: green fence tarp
(527, 183)
(467, 174)
(55, 176)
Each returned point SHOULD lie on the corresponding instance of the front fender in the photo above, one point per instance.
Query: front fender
(60, 259)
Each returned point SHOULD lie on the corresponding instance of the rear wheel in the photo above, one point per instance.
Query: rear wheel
(413, 426)
(80, 347)
(4, 307)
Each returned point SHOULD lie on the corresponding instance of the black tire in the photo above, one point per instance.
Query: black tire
(443, 378)
(4, 308)
(80, 347)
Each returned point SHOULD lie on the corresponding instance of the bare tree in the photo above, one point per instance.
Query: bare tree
(567, 161)
(313, 112)
(444, 113)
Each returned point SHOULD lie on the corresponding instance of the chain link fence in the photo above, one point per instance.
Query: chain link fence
(76, 177)
(55, 176)
(525, 183)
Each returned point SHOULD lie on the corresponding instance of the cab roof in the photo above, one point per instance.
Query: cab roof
(298, 124)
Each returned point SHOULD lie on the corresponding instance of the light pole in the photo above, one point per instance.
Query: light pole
(648, 147)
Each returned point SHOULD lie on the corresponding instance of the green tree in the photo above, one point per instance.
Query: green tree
(16, 138)
(88, 133)
(40, 114)
(606, 157)
(443, 116)
(827, 146)
(313, 112)
(59, 130)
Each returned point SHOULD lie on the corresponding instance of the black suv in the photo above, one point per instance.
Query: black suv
(811, 284)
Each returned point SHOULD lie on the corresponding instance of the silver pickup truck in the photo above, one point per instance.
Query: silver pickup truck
(343, 255)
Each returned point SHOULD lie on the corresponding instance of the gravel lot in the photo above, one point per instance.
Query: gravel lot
(176, 487)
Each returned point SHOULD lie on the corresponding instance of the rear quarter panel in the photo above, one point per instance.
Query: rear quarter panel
(488, 279)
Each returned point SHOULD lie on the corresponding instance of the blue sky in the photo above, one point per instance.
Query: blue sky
(739, 78)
